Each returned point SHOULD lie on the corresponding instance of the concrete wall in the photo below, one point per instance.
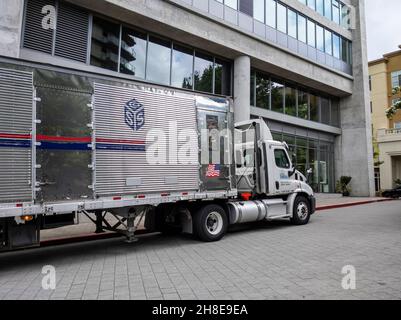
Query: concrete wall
(354, 147)
(11, 12)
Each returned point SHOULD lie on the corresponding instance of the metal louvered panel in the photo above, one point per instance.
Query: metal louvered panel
(72, 32)
(16, 93)
(115, 168)
(35, 36)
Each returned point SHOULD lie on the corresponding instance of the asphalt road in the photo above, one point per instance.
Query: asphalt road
(267, 261)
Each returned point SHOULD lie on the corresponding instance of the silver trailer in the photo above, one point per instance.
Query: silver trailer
(80, 143)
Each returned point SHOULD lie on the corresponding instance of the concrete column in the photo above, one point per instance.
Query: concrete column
(11, 12)
(355, 145)
(242, 88)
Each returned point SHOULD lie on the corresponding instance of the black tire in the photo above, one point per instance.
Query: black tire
(210, 223)
(301, 211)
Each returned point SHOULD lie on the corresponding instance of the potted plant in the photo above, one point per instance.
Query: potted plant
(342, 186)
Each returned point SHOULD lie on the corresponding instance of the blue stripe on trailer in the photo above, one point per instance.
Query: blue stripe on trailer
(12, 143)
(120, 147)
(46, 145)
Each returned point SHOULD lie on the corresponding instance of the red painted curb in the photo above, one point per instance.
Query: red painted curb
(350, 204)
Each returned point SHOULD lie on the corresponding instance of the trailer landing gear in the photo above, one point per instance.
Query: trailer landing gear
(126, 224)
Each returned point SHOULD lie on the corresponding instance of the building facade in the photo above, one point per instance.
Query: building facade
(384, 76)
(299, 64)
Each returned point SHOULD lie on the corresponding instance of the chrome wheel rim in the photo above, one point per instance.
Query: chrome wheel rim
(214, 223)
(302, 210)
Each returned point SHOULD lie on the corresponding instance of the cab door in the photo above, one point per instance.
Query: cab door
(282, 168)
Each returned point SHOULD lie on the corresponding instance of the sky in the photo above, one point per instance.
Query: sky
(383, 27)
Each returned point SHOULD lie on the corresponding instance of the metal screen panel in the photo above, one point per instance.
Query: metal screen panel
(72, 32)
(121, 146)
(35, 36)
(16, 93)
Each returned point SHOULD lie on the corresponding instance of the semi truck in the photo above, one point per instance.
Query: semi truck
(169, 160)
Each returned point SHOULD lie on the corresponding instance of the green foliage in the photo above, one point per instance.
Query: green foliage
(342, 185)
(390, 112)
(397, 182)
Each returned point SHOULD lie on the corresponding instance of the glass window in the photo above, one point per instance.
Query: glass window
(328, 42)
(281, 158)
(311, 34)
(314, 107)
(232, 4)
(327, 9)
(262, 91)
(253, 88)
(396, 79)
(259, 10)
(335, 112)
(271, 13)
(344, 50)
(222, 84)
(277, 96)
(336, 46)
(105, 44)
(159, 60)
(345, 22)
(397, 125)
(181, 72)
(319, 38)
(325, 110)
(292, 23)
(302, 28)
(312, 4)
(336, 11)
(203, 73)
(303, 110)
(290, 101)
(133, 53)
(320, 6)
(281, 18)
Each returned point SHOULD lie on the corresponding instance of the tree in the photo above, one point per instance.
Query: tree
(390, 112)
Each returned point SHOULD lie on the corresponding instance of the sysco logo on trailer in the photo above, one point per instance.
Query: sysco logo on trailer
(134, 114)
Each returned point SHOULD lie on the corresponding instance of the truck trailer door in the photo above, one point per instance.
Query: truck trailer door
(63, 144)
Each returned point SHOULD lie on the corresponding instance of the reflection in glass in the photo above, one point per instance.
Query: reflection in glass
(133, 53)
(314, 107)
(325, 110)
(183, 61)
(159, 60)
(290, 101)
(222, 84)
(262, 91)
(292, 23)
(328, 42)
(281, 18)
(303, 105)
(311, 33)
(259, 10)
(302, 28)
(320, 38)
(336, 46)
(277, 96)
(271, 13)
(105, 44)
(203, 73)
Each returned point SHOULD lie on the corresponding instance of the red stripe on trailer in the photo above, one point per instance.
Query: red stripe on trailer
(15, 136)
(104, 140)
(40, 137)
(185, 193)
(165, 194)
(117, 198)
(141, 196)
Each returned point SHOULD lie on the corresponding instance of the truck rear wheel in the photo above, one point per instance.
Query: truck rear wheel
(301, 211)
(210, 223)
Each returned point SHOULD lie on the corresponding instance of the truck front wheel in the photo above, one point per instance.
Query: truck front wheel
(210, 223)
(302, 211)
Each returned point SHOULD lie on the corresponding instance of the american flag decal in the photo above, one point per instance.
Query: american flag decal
(213, 171)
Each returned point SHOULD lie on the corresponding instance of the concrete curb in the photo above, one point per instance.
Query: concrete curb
(350, 204)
